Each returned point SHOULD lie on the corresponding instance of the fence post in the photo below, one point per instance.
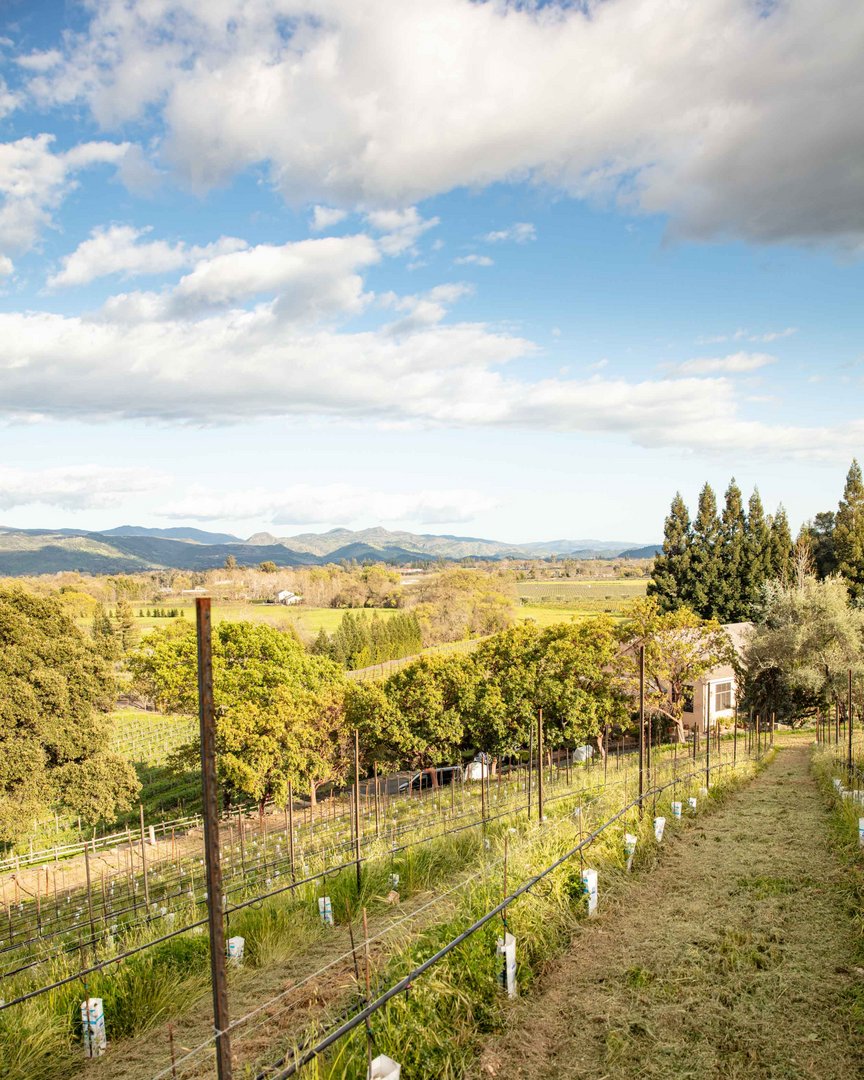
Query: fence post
(211, 839)
(357, 805)
(144, 860)
(540, 766)
(641, 726)
(849, 724)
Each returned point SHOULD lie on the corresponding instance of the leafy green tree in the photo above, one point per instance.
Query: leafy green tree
(268, 567)
(733, 557)
(849, 532)
(671, 571)
(426, 710)
(781, 551)
(268, 692)
(680, 648)
(807, 637)
(757, 547)
(704, 592)
(55, 684)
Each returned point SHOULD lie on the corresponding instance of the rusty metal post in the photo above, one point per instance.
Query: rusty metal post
(291, 827)
(641, 726)
(89, 903)
(540, 766)
(708, 737)
(211, 839)
(357, 805)
(849, 723)
(735, 738)
(530, 766)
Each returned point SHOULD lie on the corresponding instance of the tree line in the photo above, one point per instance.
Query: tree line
(359, 641)
(718, 563)
(285, 716)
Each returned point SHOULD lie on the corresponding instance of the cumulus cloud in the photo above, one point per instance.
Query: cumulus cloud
(474, 260)
(401, 228)
(734, 364)
(323, 217)
(520, 233)
(73, 487)
(239, 364)
(118, 250)
(732, 117)
(6, 266)
(34, 180)
(343, 504)
(313, 279)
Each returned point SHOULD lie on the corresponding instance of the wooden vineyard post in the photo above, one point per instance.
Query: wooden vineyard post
(211, 840)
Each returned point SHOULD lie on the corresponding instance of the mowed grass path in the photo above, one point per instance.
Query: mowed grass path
(734, 958)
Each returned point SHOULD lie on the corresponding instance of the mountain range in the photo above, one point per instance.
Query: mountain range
(130, 548)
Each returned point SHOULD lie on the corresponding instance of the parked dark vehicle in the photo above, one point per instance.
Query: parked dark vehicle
(423, 778)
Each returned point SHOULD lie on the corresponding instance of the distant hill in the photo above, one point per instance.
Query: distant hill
(647, 552)
(131, 548)
(194, 536)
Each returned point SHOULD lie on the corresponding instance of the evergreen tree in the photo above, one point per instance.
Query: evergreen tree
(820, 533)
(780, 562)
(125, 629)
(670, 574)
(757, 543)
(703, 594)
(733, 557)
(849, 532)
(103, 633)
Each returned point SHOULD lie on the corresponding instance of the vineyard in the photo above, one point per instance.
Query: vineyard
(132, 929)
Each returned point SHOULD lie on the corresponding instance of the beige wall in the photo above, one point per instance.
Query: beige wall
(702, 688)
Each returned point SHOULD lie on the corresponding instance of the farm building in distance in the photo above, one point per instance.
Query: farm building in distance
(285, 596)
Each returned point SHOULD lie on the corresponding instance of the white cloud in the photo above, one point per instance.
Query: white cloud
(734, 364)
(424, 309)
(314, 504)
(34, 181)
(401, 228)
(9, 100)
(238, 365)
(6, 266)
(520, 233)
(323, 217)
(73, 487)
(474, 260)
(117, 250)
(746, 335)
(313, 280)
(692, 112)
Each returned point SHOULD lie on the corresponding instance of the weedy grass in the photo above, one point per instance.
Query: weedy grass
(435, 1028)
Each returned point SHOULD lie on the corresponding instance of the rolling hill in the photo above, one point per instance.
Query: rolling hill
(131, 548)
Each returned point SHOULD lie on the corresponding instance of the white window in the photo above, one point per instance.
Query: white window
(722, 696)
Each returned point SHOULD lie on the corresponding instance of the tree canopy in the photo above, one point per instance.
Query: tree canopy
(52, 734)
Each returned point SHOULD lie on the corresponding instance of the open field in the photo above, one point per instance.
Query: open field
(306, 620)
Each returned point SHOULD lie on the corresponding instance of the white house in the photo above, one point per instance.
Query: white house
(285, 596)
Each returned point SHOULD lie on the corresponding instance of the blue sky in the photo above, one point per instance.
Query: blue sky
(513, 270)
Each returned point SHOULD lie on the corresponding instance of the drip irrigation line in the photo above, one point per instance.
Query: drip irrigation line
(406, 982)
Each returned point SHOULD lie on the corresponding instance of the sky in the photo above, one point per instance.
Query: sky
(506, 269)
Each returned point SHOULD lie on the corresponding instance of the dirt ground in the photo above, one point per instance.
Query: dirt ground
(732, 958)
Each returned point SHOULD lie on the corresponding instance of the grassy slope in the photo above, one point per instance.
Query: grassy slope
(746, 975)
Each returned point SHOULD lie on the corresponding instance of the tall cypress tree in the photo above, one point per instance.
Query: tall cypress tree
(780, 562)
(703, 593)
(849, 531)
(732, 556)
(757, 544)
(670, 576)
